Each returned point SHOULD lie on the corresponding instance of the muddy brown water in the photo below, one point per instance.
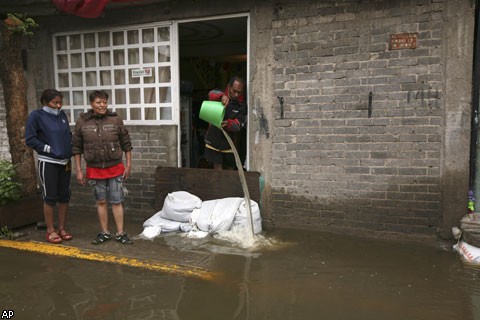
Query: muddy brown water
(306, 275)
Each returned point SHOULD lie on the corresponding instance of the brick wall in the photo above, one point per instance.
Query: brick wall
(326, 163)
(333, 165)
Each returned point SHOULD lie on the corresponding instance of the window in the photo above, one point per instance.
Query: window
(133, 65)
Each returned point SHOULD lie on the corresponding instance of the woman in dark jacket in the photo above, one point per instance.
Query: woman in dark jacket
(48, 133)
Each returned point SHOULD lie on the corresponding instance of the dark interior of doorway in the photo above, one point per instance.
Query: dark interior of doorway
(211, 52)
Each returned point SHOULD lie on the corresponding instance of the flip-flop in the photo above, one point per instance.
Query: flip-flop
(55, 240)
(65, 235)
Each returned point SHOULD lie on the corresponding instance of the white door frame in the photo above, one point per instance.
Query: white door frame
(177, 77)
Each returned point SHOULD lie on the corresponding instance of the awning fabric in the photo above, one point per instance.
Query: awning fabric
(84, 8)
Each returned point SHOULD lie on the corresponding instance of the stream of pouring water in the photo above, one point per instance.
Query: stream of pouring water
(243, 181)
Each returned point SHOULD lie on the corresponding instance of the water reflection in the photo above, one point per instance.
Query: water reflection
(308, 276)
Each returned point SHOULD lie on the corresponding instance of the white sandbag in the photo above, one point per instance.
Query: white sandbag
(155, 225)
(150, 232)
(186, 227)
(241, 217)
(153, 220)
(468, 252)
(216, 215)
(197, 234)
(178, 206)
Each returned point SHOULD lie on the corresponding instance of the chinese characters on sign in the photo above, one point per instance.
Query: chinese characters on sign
(403, 41)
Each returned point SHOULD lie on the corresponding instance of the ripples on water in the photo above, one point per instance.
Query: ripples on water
(285, 274)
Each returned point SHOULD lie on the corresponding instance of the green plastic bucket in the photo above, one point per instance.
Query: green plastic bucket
(212, 112)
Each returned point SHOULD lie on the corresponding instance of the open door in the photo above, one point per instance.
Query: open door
(210, 53)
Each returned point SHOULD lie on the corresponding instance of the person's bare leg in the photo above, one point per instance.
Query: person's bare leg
(102, 211)
(48, 215)
(118, 216)
(62, 215)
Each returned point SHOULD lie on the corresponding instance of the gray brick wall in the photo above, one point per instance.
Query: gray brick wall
(333, 166)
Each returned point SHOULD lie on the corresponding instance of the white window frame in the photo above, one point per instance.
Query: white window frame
(173, 104)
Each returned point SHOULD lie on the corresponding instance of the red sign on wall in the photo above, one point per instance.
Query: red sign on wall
(403, 41)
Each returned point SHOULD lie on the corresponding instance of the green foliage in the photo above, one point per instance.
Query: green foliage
(18, 22)
(6, 233)
(9, 188)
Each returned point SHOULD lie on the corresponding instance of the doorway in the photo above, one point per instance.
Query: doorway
(210, 53)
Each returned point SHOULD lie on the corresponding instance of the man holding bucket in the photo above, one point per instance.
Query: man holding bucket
(217, 150)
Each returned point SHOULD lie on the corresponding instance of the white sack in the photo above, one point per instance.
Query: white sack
(151, 232)
(178, 206)
(216, 215)
(156, 224)
(241, 217)
(468, 252)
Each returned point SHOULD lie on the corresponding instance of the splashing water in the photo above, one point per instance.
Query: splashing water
(240, 236)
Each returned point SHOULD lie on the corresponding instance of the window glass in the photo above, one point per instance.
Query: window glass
(164, 74)
(90, 60)
(104, 58)
(75, 42)
(104, 39)
(119, 76)
(135, 114)
(105, 78)
(132, 37)
(76, 60)
(133, 56)
(163, 34)
(150, 113)
(63, 80)
(117, 38)
(148, 55)
(166, 113)
(61, 43)
(78, 98)
(149, 95)
(91, 78)
(134, 95)
(164, 54)
(131, 65)
(120, 97)
(164, 94)
(148, 35)
(119, 57)
(89, 40)
(62, 61)
(77, 79)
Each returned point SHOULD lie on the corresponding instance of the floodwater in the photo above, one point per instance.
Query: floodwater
(303, 275)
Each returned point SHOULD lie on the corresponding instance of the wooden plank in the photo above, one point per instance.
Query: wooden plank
(207, 184)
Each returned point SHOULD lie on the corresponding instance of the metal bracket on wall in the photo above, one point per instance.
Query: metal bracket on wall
(370, 95)
(281, 100)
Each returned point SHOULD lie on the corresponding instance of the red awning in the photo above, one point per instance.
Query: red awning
(85, 8)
